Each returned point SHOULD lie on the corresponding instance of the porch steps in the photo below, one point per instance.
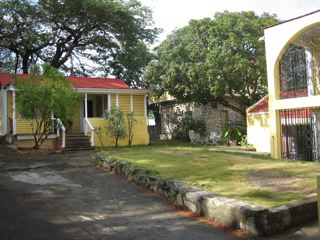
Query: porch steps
(77, 141)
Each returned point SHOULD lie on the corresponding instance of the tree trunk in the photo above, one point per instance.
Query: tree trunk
(25, 64)
(116, 141)
(16, 64)
(239, 110)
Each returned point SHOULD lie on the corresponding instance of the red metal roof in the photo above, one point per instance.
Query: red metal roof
(80, 82)
(6, 78)
(261, 106)
(111, 83)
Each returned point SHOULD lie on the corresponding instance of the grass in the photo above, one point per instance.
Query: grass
(255, 179)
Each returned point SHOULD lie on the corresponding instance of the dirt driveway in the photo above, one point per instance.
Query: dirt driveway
(63, 196)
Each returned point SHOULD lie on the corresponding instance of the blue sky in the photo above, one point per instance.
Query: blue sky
(171, 14)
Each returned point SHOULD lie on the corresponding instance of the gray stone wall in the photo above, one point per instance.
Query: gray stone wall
(169, 111)
(217, 117)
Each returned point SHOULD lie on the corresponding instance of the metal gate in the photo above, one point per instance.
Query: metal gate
(300, 134)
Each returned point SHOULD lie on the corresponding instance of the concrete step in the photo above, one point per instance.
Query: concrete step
(78, 149)
(77, 141)
(84, 140)
(77, 137)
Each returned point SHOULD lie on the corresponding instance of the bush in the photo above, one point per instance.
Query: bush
(189, 123)
(235, 133)
(116, 124)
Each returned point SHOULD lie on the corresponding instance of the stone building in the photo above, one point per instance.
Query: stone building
(217, 118)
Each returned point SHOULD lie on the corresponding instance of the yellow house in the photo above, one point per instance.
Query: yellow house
(293, 114)
(99, 95)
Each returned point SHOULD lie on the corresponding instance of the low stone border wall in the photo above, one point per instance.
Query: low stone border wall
(254, 220)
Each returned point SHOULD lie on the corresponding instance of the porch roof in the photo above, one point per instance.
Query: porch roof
(260, 107)
(80, 82)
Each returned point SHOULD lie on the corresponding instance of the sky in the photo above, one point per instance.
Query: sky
(172, 14)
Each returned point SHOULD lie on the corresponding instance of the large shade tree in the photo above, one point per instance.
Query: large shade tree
(79, 37)
(218, 60)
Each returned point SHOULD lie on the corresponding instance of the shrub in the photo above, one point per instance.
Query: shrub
(235, 133)
(116, 124)
(189, 123)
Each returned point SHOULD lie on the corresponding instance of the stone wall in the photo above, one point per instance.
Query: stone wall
(217, 118)
(170, 110)
(253, 220)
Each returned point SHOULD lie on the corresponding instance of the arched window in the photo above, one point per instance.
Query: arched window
(293, 73)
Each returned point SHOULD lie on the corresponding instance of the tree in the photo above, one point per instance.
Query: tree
(116, 124)
(214, 61)
(39, 96)
(131, 121)
(80, 37)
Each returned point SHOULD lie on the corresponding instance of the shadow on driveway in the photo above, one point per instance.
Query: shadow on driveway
(63, 196)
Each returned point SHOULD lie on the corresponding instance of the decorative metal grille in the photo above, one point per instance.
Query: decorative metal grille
(293, 73)
(300, 134)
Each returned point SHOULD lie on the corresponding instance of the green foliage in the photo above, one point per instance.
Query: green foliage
(131, 121)
(244, 143)
(112, 35)
(189, 123)
(41, 95)
(116, 124)
(213, 58)
(235, 133)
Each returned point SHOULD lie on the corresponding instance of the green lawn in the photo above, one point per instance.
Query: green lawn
(254, 179)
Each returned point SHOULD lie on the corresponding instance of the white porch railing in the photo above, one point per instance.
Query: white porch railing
(60, 126)
(87, 126)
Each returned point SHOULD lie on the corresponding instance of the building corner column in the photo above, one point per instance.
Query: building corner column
(85, 105)
(14, 127)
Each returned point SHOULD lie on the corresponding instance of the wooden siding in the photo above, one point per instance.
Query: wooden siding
(24, 126)
(141, 136)
(76, 120)
(138, 105)
(125, 103)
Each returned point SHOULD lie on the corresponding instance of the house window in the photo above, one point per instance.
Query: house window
(293, 73)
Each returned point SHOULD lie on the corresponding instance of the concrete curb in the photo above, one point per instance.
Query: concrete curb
(254, 220)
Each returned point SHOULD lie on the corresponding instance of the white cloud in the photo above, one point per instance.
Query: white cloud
(171, 14)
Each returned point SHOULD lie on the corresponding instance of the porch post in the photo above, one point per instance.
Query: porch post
(131, 103)
(5, 112)
(117, 100)
(85, 105)
(109, 102)
(145, 106)
(14, 129)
